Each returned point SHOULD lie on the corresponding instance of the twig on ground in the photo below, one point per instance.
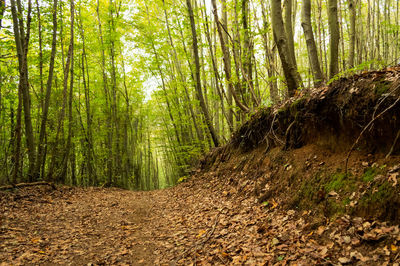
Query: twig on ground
(198, 245)
(393, 145)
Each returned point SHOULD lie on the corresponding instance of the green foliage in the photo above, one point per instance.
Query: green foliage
(351, 71)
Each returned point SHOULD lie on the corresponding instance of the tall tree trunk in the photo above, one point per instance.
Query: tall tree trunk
(352, 31)
(334, 38)
(109, 160)
(71, 123)
(55, 162)
(226, 57)
(114, 100)
(40, 150)
(218, 84)
(22, 43)
(40, 55)
(269, 56)
(17, 135)
(182, 77)
(289, 30)
(224, 21)
(293, 80)
(197, 77)
(310, 41)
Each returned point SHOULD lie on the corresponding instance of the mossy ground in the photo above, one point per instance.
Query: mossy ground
(333, 193)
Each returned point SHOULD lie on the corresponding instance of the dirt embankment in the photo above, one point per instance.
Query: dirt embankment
(333, 149)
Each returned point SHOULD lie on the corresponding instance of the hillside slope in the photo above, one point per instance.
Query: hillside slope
(334, 150)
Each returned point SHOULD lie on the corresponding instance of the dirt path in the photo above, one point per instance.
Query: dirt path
(76, 227)
(203, 222)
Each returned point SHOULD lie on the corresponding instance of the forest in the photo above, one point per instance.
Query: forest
(130, 93)
(199, 132)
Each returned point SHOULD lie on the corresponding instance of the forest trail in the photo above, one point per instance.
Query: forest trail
(98, 226)
(203, 221)
(77, 226)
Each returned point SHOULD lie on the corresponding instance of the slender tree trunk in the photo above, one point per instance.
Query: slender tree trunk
(22, 43)
(55, 163)
(334, 38)
(40, 54)
(40, 150)
(182, 77)
(218, 85)
(293, 80)
(106, 96)
(224, 21)
(270, 58)
(352, 31)
(289, 30)
(197, 77)
(114, 100)
(226, 57)
(17, 135)
(311, 47)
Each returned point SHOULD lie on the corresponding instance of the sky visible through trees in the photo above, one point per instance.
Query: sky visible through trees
(130, 93)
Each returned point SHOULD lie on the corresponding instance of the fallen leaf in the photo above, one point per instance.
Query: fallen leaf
(321, 230)
(201, 233)
(393, 178)
(275, 241)
(344, 260)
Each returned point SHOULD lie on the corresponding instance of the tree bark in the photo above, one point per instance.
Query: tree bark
(352, 32)
(310, 41)
(289, 30)
(197, 76)
(40, 150)
(224, 21)
(334, 38)
(22, 43)
(293, 80)
(109, 161)
(226, 58)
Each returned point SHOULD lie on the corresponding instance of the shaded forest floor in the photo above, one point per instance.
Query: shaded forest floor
(198, 222)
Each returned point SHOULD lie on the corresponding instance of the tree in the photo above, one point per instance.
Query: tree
(197, 76)
(45, 111)
(22, 42)
(334, 38)
(310, 41)
(292, 77)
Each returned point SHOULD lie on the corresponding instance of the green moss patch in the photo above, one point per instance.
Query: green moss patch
(370, 173)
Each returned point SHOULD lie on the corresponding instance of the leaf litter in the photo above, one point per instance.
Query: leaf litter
(193, 223)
